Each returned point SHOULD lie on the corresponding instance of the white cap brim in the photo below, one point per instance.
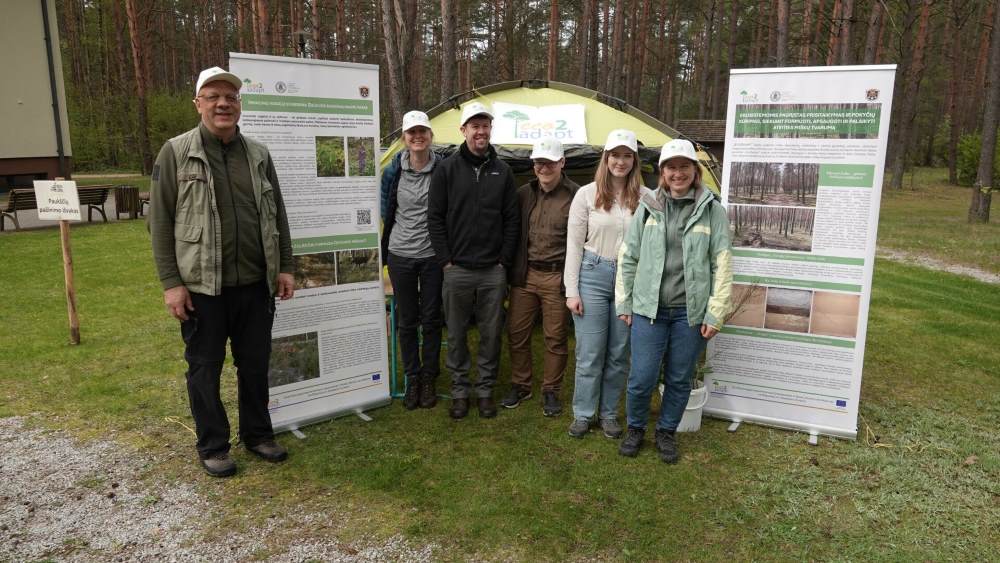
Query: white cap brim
(207, 77)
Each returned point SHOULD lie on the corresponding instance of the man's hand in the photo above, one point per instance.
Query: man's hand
(707, 332)
(178, 302)
(575, 305)
(286, 286)
(627, 319)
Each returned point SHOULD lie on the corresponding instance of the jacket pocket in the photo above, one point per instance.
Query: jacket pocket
(187, 247)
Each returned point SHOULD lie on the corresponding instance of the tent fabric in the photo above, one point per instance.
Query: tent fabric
(602, 114)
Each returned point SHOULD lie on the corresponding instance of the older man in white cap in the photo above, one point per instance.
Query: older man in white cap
(474, 224)
(536, 285)
(223, 252)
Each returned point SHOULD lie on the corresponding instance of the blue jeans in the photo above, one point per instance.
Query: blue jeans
(668, 339)
(601, 342)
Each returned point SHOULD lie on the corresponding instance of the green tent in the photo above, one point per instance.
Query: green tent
(602, 114)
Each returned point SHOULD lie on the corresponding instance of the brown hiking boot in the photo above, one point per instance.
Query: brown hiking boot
(428, 392)
(219, 465)
(270, 451)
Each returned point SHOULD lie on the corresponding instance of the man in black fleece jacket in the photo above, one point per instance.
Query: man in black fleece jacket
(474, 224)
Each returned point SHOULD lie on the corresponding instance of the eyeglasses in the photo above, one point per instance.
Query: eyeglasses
(214, 98)
(545, 163)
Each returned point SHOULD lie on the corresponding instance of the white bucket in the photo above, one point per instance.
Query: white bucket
(691, 421)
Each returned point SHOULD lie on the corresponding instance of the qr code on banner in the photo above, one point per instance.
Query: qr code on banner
(364, 217)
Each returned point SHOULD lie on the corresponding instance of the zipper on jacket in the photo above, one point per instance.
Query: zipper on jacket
(232, 202)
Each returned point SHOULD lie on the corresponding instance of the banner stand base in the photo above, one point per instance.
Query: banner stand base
(734, 426)
(813, 438)
(297, 433)
(361, 414)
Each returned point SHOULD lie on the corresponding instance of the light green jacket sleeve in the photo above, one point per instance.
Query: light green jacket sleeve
(628, 260)
(721, 251)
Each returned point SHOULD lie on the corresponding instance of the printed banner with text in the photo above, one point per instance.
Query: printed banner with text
(320, 121)
(802, 181)
(516, 124)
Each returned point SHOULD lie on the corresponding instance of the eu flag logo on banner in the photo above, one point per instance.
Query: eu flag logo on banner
(376, 376)
(841, 403)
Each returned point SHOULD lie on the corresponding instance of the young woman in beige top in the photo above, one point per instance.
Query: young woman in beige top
(598, 219)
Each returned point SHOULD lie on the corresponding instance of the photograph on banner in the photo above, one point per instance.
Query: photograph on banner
(320, 122)
(802, 175)
(774, 183)
(518, 124)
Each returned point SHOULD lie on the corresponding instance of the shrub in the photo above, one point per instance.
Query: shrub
(967, 164)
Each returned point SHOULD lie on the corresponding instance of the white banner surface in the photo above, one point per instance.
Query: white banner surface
(320, 121)
(802, 182)
(516, 124)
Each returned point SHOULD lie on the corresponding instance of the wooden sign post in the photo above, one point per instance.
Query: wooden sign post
(58, 200)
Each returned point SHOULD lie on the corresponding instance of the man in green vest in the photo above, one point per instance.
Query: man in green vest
(223, 252)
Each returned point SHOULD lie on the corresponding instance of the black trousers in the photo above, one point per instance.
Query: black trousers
(416, 283)
(242, 315)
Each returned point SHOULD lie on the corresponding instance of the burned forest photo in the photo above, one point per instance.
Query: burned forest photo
(776, 228)
(774, 183)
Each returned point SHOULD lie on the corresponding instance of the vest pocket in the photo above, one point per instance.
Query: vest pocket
(187, 247)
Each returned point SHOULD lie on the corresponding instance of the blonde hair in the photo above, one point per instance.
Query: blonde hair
(605, 198)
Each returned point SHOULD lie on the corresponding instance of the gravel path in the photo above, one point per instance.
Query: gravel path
(935, 264)
(69, 501)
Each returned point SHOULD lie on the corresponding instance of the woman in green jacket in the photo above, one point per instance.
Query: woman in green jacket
(673, 290)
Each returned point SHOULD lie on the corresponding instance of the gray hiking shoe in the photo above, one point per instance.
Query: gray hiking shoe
(632, 443)
(579, 428)
(666, 444)
(219, 465)
(269, 450)
(611, 428)
(516, 396)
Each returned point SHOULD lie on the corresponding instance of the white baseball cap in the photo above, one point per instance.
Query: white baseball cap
(416, 119)
(473, 109)
(216, 73)
(549, 149)
(621, 138)
(678, 147)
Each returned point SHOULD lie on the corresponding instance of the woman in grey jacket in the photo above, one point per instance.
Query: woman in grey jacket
(414, 269)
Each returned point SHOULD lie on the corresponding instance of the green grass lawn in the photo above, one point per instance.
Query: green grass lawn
(930, 219)
(921, 482)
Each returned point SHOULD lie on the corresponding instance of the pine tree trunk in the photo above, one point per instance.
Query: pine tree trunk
(909, 100)
(341, 35)
(604, 69)
(872, 34)
(639, 69)
(982, 190)
(138, 35)
(833, 45)
(553, 36)
(583, 41)
(393, 63)
(713, 110)
(781, 49)
(448, 61)
(615, 78)
(805, 37)
(705, 61)
(847, 12)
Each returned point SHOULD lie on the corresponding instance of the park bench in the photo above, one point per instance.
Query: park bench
(22, 199)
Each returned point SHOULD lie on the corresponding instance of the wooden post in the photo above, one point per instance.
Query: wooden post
(67, 254)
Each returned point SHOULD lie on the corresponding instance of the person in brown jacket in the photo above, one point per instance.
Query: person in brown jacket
(536, 284)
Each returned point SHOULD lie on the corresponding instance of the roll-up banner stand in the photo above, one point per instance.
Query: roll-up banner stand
(320, 122)
(802, 182)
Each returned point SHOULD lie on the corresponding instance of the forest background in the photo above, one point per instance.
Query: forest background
(130, 65)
